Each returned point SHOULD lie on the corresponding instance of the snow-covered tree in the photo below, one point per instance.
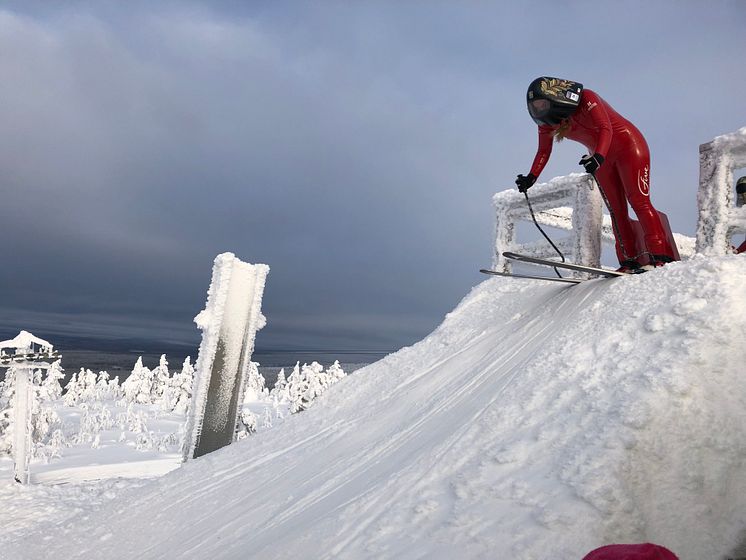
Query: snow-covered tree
(7, 393)
(161, 381)
(56, 443)
(72, 390)
(335, 373)
(115, 391)
(81, 388)
(96, 418)
(303, 386)
(44, 419)
(131, 420)
(181, 385)
(280, 390)
(315, 382)
(87, 381)
(138, 386)
(255, 385)
(103, 387)
(51, 385)
(246, 424)
(296, 388)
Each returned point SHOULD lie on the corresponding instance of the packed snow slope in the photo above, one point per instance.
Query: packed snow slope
(538, 421)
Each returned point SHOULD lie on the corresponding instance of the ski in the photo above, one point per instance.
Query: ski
(565, 265)
(551, 279)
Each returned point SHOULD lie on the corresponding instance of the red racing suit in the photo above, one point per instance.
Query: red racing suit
(646, 551)
(624, 176)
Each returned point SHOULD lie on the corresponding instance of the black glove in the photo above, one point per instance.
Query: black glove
(592, 163)
(524, 182)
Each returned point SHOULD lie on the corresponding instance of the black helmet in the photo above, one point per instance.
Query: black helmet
(552, 100)
(741, 191)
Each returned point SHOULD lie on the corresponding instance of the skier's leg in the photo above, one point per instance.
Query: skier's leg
(634, 170)
(613, 191)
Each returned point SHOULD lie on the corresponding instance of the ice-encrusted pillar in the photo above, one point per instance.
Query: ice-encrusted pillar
(22, 407)
(23, 355)
(587, 221)
(229, 323)
(718, 218)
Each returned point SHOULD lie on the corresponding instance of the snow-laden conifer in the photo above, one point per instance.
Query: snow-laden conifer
(181, 385)
(7, 394)
(296, 388)
(44, 418)
(159, 391)
(72, 390)
(51, 386)
(138, 386)
(246, 424)
(280, 390)
(254, 389)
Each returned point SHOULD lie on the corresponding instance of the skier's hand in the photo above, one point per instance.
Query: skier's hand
(591, 163)
(524, 182)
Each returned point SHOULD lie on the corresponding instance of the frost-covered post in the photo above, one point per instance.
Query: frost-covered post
(719, 218)
(24, 354)
(229, 323)
(572, 203)
(22, 407)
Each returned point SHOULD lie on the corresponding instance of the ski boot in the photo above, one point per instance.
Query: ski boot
(660, 260)
(630, 266)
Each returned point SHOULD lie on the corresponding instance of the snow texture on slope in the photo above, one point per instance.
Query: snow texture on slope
(536, 422)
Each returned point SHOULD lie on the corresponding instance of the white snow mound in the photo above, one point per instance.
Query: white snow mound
(538, 421)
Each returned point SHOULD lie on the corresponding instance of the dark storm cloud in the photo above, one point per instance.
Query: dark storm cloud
(353, 147)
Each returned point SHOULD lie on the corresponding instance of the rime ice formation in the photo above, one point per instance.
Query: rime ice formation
(229, 323)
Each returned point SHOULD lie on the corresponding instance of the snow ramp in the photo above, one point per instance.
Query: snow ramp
(538, 421)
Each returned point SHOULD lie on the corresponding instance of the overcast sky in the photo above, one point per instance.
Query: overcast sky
(352, 146)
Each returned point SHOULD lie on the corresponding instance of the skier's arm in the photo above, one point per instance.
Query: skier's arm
(544, 150)
(593, 106)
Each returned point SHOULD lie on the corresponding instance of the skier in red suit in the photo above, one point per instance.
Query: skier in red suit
(645, 551)
(620, 161)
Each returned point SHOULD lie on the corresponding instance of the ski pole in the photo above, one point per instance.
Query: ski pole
(533, 217)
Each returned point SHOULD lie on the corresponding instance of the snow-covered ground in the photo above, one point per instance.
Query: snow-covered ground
(538, 421)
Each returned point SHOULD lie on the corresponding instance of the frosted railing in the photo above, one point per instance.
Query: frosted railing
(569, 203)
(719, 218)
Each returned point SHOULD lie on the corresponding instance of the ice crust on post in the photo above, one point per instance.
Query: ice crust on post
(229, 322)
(719, 219)
(22, 425)
(572, 203)
(25, 341)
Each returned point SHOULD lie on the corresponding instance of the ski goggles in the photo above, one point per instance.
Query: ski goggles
(539, 108)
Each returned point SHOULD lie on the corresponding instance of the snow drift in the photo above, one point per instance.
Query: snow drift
(538, 421)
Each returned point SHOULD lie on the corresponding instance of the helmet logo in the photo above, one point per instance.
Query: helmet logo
(563, 97)
(643, 180)
(555, 87)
